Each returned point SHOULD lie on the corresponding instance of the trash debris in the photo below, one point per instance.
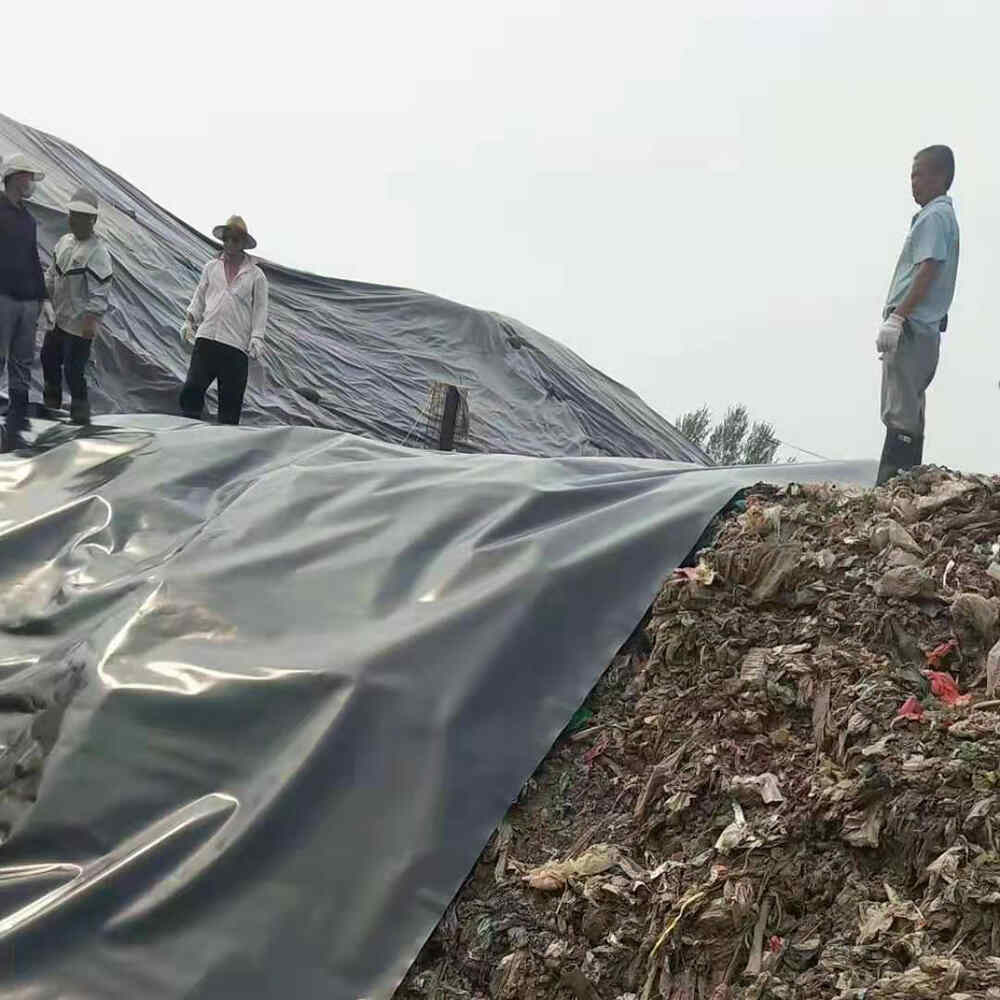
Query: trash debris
(939, 653)
(763, 787)
(932, 979)
(862, 829)
(580, 719)
(737, 835)
(943, 686)
(974, 620)
(946, 492)
(911, 709)
(905, 581)
(877, 918)
(553, 877)
(993, 670)
(600, 745)
(701, 573)
(890, 534)
(795, 759)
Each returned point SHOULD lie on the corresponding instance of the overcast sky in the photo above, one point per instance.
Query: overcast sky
(704, 200)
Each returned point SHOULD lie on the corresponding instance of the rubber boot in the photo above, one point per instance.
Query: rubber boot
(79, 411)
(17, 414)
(900, 452)
(10, 441)
(16, 422)
(52, 397)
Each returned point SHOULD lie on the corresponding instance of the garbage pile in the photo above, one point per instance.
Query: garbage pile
(787, 785)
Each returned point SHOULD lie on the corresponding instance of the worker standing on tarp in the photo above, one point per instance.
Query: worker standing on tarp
(78, 281)
(226, 322)
(916, 312)
(22, 291)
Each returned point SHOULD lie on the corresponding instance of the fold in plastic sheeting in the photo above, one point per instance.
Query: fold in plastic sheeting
(340, 354)
(266, 692)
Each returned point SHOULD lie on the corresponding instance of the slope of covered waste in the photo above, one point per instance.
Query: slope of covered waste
(267, 692)
(787, 785)
(343, 355)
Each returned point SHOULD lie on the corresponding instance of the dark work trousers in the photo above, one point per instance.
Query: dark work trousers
(210, 361)
(64, 354)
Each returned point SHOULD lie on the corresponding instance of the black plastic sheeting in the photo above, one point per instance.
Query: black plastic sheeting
(266, 692)
(368, 352)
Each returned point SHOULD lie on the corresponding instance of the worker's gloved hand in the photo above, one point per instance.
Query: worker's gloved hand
(888, 334)
(256, 348)
(188, 332)
(46, 317)
(89, 326)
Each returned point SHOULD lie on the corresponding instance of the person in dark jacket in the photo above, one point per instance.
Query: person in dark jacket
(22, 291)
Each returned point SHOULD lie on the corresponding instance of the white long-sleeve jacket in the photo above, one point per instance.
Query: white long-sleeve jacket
(78, 281)
(231, 314)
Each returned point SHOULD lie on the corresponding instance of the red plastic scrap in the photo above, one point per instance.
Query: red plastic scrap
(936, 655)
(597, 749)
(911, 709)
(944, 687)
(776, 943)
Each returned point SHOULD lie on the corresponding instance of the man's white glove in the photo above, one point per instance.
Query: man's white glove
(256, 348)
(46, 317)
(188, 332)
(888, 334)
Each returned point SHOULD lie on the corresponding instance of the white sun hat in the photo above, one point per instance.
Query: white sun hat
(84, 202)
(18, 163)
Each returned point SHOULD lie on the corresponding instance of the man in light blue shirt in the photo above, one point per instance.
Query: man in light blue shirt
(916, 311)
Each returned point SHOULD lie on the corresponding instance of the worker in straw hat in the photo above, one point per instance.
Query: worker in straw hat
(78, 281)
(22, 290)
(225, 321)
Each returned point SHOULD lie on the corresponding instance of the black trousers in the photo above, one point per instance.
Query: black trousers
(64, 354)
(210, 361)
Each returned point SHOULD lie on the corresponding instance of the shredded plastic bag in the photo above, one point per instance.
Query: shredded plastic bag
(911, 709)
(943, 686)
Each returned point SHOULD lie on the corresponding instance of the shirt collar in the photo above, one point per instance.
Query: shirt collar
(943, 198)
(244, 264)
(946, 199)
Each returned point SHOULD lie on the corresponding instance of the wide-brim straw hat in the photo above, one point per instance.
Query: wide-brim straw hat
(235, 222)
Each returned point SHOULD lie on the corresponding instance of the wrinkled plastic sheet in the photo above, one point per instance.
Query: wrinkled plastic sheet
(265, 693)
(343, 355)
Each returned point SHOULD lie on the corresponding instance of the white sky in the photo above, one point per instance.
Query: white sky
(705, 200)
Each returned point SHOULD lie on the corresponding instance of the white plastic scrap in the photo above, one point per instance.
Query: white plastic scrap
(993, 671)
(738, 834)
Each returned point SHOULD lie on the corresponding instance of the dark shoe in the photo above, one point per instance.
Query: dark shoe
(52, 398)
(11, 441)
(79, 411)
(900, 452)
(17, 413)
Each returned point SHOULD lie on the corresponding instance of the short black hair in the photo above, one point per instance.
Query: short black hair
(942, 160)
